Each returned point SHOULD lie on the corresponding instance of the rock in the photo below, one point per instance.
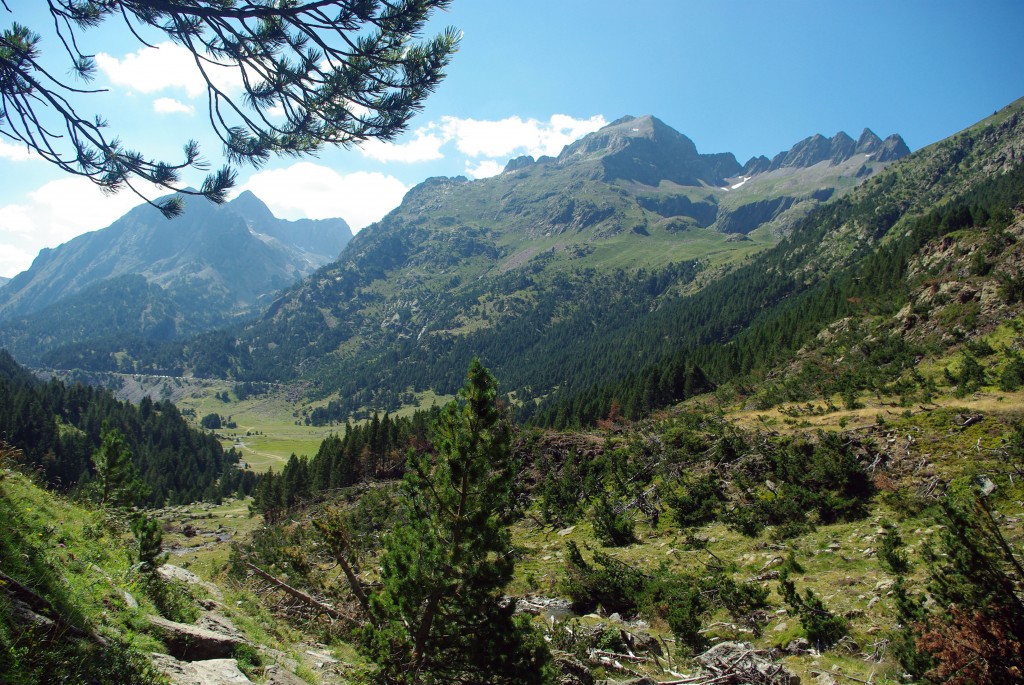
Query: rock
(192, 643)
(746, 664)
(800, 645)
(986, 485)
(219, 623)
(172, 572)
(278, 675)
(549, 607)
(209, 672)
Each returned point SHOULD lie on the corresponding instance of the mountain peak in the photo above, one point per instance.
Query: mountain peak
(868, 142)
(834, 150)
(646, 150)
(250, 207)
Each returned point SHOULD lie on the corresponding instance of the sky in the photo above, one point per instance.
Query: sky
(750, 77)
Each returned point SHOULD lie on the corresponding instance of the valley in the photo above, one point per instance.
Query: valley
(721, 423)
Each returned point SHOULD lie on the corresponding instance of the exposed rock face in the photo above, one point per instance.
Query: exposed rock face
(191, 643)
(842, 148)
(211, 672)
(892, 148)
(747, 217)
(757, 165)
(834, 150)
(703, 213)
(648, 151)
(868, 142)
(807, 152)
(518, 163)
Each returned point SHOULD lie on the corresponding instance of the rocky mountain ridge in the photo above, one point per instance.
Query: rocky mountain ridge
(155, 280)
(228, 257)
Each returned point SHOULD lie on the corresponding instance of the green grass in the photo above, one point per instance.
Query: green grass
(79, 561)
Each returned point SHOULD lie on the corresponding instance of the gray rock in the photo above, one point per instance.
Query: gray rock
(209, 672)
(278, 675)
(192, 643)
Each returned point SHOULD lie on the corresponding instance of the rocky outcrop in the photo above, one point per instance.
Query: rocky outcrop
(835, 150)
(868, 142)
(647, 151)
(703, 213)
(745, 218)
(210, 672)
(842, 148)
(519, 163)
(192, 643)
(892, 148)
(757, 165)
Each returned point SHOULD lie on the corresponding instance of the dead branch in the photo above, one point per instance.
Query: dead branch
(302, 596)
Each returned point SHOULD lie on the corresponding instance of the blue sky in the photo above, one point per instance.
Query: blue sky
(749, 77)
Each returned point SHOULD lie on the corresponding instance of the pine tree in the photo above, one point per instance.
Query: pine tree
(340, 71)
(439, 617)
(116, 477)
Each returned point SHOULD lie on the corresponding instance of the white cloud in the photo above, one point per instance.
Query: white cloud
(313, 191)
(15, 152)
(484, 169)
(166, 66)
(14, 260)
(424, 147)
(515, 136)
(55, 213)
(495, 140)
(171, 106)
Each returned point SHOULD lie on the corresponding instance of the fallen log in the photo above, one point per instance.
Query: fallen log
(301, 596)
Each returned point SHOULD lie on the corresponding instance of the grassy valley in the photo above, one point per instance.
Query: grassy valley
(800, 456)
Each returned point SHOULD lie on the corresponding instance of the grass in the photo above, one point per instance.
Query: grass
(79, 561)
(270, 420)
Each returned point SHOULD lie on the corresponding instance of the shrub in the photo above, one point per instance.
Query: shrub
(823, 628)
(891, 554)
(612, 525)
(696, 500)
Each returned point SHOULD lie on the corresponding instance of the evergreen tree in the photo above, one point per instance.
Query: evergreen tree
(341, 71)
(438, 617)
(117, 481)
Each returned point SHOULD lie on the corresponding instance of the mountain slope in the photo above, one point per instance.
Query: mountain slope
(228, 257)
(522, 268)
(149, 278)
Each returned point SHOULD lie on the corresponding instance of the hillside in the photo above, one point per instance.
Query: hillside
(179, 277)
(528, 265)
(58, 429)
(807, 463)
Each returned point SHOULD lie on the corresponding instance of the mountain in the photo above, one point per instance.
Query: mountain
(523, 269)
(158, 279)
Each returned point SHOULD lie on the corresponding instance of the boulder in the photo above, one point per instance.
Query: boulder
(278, 675)
(192, 643)
(210, 672)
